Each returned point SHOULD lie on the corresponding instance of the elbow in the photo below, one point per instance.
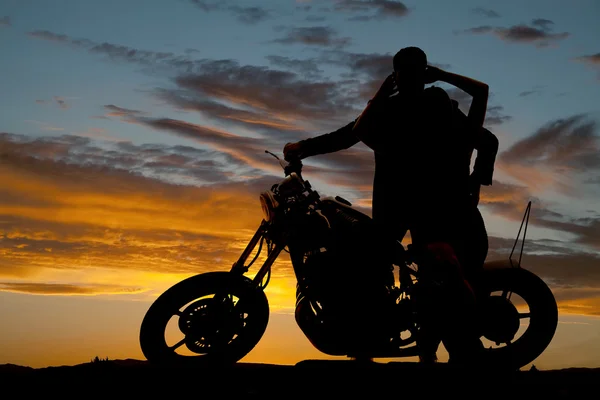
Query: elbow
(488, 142)
(494, 143)
(485, 91)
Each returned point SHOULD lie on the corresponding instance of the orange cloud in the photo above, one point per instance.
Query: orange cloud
(93, 221)
(65, 289)
(94, 230)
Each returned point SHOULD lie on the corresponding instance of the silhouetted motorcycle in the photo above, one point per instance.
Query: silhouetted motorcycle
(221, 316)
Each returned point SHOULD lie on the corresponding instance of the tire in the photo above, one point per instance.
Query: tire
(543, 318)
(251, 319)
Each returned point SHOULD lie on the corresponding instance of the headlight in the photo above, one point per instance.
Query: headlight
(269, 205)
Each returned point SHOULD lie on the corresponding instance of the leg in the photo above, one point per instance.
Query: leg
(456, 307)
(478, 239)
(447, 306)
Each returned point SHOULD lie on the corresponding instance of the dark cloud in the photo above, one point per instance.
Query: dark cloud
(315, 18)
(124, 113)
(373, 65)
(282, 93)
(124, 53)
(118, 52)
(564, 144)
(207, 5)
(544, 24)
(477, 30)
(5, 21)
(510, 200)
(58, 100)
(295, 96)
(308, 67)
(486, 12)
(538, 33)
(120, 111)
(462, 97)
(375, 9)
(156, 161)
(61, 102)
(250, 15)
(247, 15)
(537, 90)
(593, 59)
(244, 150)
(66, 289)
(559, 266)
(527, 34)
(593, 181)
(229, 116)
(312, 36)
(364, 71)
(47, 35)
(495, 115)
(350, 169)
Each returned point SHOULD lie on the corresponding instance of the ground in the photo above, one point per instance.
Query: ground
(307, 379)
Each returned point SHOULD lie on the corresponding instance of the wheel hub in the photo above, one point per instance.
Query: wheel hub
(207, 324)
(500, 319)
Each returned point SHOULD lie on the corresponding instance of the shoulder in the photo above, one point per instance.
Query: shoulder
(436, 94)
(436, 91)
(437, 100)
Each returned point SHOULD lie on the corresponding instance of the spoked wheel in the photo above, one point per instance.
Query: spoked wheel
(219, 317)
(518, 318)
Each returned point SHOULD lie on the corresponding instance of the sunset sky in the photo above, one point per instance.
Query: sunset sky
(132, 139)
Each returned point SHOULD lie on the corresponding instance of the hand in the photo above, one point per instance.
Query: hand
(433, 74)
(387, 88)
(292, 151)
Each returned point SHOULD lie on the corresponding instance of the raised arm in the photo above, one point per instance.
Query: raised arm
(363, 128)
(478, 90)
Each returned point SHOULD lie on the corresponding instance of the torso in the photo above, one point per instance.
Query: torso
(425, 166)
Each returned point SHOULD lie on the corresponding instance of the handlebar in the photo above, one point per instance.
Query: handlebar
(294, 165)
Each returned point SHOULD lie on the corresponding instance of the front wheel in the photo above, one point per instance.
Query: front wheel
(220, 318)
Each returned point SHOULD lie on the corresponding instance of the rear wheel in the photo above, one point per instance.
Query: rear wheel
(519, 317)
(219, 317)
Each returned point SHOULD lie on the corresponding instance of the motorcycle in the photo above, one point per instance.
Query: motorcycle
(224, 314)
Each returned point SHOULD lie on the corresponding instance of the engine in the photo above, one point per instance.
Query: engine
(338, 260)
(338, 277)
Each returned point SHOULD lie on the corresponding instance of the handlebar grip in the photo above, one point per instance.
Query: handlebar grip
(295, 165)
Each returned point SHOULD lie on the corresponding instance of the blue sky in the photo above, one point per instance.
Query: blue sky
(152, 93)
(41, 70)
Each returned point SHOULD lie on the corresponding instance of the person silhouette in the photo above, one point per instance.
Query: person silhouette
(423, 184)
